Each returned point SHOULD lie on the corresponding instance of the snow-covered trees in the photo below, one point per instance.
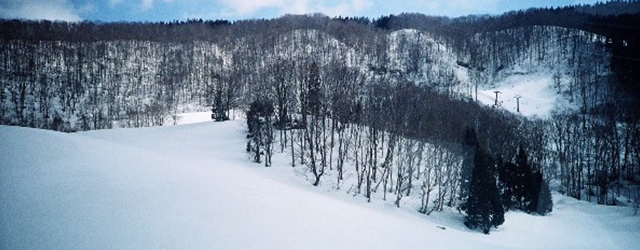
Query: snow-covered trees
(314, 118)
(386, 100)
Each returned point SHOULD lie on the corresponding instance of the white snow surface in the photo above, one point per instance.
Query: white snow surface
(193, 187)
(538, 97)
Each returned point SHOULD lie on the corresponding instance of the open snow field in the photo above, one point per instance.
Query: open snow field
(538, 97)
(193, 187)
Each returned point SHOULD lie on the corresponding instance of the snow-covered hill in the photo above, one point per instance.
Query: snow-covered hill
(535, 89)
(540, 71)
(193, 187)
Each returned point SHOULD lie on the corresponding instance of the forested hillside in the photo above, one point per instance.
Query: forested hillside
(374, 95)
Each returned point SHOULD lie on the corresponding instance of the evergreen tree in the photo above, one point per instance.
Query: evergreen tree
(545, 202)
(507, 174)
(483, 207)
(533, 192)
(219, 112)
(525, 188)
(470, 144)
(260, 130)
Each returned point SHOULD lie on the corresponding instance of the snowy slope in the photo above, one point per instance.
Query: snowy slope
(535, 87)
(535, 70)
(192, 187)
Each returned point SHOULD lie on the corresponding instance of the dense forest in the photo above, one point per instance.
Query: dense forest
(391, 100)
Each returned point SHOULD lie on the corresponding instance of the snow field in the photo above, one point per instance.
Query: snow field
(193, 187)
(538, 97)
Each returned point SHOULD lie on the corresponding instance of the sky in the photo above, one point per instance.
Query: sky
(169, 10)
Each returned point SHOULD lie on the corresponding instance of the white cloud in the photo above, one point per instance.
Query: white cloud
(144, 4)
(350, 8)
(147, 4)
(328, 7)
(248, 7)
(457, 7)
(475, 5)
(39, 9)
(437, 7)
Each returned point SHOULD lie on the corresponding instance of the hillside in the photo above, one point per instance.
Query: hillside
(192, 187)
(102, 82)
(400, 109)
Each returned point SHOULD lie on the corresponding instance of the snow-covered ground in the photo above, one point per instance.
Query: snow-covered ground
(538, 97)
(193, 187)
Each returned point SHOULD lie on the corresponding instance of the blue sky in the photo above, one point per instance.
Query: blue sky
(168, 10)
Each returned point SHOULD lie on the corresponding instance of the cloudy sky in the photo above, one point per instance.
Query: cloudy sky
(168, 10)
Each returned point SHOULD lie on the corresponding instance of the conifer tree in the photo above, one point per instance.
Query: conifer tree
(528, 183)
(545, 202)
(260, 130)
(508, 177)
(470, 144)
(483, 207)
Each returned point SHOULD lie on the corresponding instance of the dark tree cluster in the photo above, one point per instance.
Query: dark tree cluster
(260, 131)
(523, 186)
(491, 186)
(482, 199)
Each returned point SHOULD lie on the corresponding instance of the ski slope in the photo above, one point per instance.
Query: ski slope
(538, 97)
(192, 187)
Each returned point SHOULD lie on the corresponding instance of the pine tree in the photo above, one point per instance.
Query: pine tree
(218, 110)
(508, 176)
(483, 207)
(470, 144)
(260, 130)
(525, 187)
(545, 202)
(534, 192)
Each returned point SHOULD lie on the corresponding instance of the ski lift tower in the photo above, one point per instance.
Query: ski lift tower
(518, 102)
(497, 93)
